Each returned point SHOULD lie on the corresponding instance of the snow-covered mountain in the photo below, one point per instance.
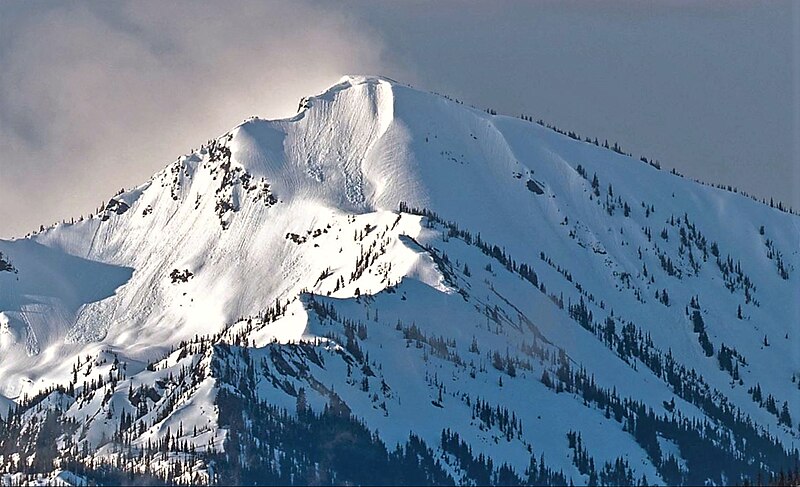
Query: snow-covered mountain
(393, 287)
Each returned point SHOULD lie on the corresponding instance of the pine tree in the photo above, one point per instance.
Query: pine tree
(785, 417)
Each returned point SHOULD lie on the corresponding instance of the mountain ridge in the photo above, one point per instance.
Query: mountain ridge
(520, 262)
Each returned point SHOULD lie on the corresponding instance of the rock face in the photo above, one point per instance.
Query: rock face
(391, 287)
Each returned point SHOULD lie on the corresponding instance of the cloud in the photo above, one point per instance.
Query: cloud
(94, 97)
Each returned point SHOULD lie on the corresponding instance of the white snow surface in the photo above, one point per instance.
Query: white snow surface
(297, 203)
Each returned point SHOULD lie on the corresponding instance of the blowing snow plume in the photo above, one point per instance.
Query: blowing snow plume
(125, 68)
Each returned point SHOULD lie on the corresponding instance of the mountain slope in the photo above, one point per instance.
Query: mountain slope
(414, 267)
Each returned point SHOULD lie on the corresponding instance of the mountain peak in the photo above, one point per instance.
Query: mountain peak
(426, 268)
(347, 82)
(357, 79)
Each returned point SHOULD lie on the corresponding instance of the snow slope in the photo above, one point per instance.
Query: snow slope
(378, 207)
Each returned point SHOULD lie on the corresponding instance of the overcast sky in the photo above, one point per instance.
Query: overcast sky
(95, 96)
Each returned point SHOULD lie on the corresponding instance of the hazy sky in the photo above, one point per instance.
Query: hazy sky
(95, 96)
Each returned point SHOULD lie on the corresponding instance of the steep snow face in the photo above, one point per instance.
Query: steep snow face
(507, 254)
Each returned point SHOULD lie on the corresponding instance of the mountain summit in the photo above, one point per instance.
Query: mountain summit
(393, 287)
